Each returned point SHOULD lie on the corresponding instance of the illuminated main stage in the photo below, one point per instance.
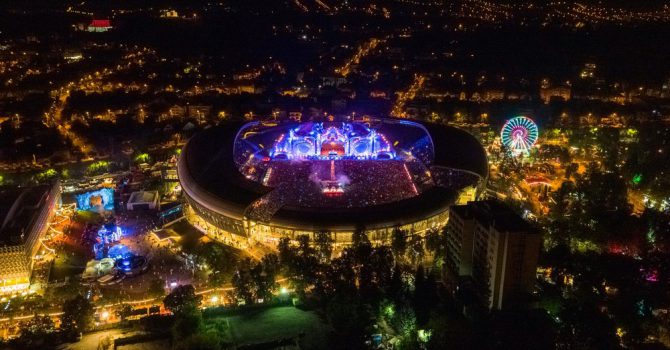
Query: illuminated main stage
(332, 141)
(263, 181)
(334, 164)
(98, 200)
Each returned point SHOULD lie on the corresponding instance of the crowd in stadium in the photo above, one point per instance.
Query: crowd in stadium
(301, 183)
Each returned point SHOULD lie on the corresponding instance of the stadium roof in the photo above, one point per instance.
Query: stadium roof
(208, 158)
(456, 148)
(495, 213)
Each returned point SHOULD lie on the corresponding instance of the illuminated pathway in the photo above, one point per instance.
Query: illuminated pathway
(398, 110)
(88, 83)
(54, 119)
(300, 6)
(323, 5)
(363, 51)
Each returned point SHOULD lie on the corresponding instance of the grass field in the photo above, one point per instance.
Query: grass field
(263, 325)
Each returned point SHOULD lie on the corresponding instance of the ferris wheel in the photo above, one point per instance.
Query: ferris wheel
(519, 134)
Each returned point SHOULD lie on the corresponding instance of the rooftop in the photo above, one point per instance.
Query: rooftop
(19, 208)
(143, 197)
(495, 213)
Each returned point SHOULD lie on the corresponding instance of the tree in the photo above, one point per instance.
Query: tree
(256, 281)
(658, 229)
(156, 288)
(397, 287)
(36, 332)
(200, 341)
(359, 237)
(425, 295)
(361, 246)
(287, 253)
(305, 265)
(381, 263)
(243, 283)
(46, 175)
(519, 329)
(350, 319)
(142, 158)
(96, 168)
(570, 170)
(304, 248)
(449, 330)
(216, 279)
(582, 326)
(608, 140)
(125, 311)
(600, 206)
(72, 287)
(77, 314)
(186, 325)
(263, 279)
(182, 300)
(190, 242)
(399, 242)
(184, 305)
(218, 257)
(508, 163)
(323, 241)
(436, 242)
(404, 321)
(416, 249)
(271, 263)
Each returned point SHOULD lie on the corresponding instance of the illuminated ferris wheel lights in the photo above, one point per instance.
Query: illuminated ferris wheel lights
(519, 134)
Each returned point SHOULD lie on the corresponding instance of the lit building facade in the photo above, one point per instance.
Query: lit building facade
(496, 248)
(25, 215)
(99, 25)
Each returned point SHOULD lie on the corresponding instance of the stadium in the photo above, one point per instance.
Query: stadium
(261, 181)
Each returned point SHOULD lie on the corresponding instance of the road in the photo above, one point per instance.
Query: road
(362, 51)
(398, 109)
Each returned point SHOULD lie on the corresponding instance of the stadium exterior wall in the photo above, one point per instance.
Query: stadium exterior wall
(224, 228)
(227, 224)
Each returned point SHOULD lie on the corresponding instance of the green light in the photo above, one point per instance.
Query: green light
(99, 166)
(283, 290)
(142, 158)
(423, 335)
(637, 179)
(651, 236)
(389, 311)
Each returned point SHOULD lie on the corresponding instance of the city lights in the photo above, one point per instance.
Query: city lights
(359, 174)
